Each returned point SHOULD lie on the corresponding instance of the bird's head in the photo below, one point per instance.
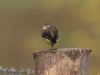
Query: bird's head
(46, 26)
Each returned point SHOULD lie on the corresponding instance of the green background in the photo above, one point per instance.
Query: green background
(21, 23)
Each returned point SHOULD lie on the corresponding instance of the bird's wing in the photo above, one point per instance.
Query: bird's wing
(46, 34)
(54, 32)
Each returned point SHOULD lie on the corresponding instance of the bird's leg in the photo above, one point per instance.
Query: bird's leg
(51, 46)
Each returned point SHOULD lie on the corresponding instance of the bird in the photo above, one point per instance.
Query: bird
(50, 33)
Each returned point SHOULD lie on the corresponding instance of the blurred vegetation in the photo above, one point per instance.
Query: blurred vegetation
(21, 22)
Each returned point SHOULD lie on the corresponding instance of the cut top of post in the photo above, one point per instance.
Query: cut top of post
(69, 51)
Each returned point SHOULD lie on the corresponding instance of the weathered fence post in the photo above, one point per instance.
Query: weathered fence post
(65, 61)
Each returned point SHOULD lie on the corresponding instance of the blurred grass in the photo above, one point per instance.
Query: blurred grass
(21, 23)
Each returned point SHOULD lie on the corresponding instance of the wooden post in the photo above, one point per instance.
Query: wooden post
(65, 61)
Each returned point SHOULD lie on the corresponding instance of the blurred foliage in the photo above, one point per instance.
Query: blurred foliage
(21, 22)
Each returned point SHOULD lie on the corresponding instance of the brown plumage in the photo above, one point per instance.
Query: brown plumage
(50, 32)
